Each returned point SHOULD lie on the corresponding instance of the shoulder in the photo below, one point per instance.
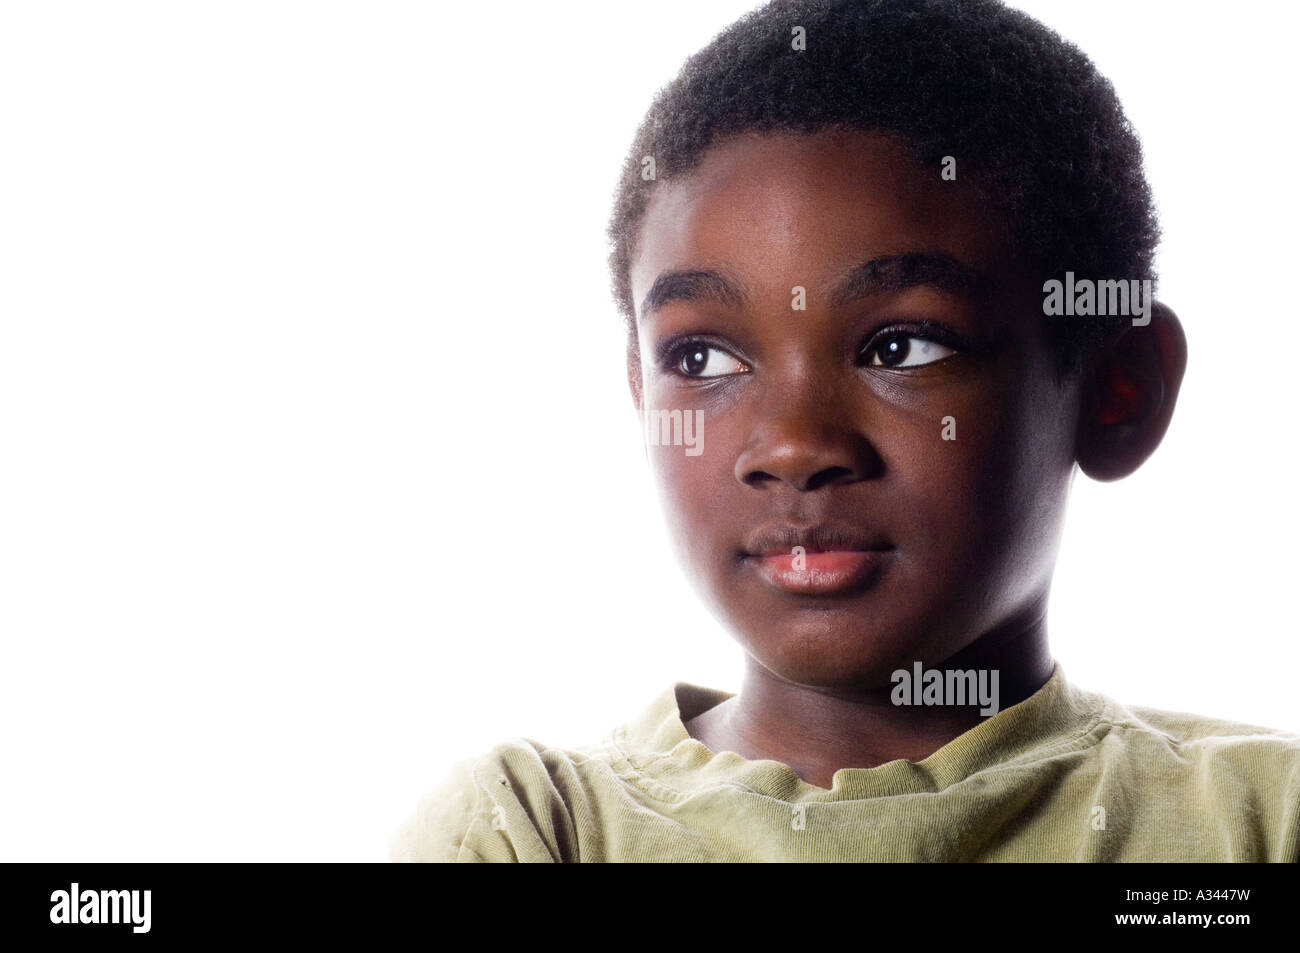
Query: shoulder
(524, 801)
(1237, 776)
(1207, 737)
(512, 803)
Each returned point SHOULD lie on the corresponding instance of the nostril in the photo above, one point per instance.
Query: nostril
(829, 477)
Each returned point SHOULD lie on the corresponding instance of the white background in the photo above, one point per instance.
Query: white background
(317, 464)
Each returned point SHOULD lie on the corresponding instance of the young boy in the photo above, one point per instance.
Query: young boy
(886, 269)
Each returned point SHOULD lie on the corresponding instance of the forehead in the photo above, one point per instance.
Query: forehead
(778, 209)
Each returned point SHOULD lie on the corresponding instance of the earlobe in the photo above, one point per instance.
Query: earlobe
(1129, 392)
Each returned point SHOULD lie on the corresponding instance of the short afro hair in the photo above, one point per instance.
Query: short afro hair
(1022, 109)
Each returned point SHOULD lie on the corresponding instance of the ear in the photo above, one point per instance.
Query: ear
(1130, 387)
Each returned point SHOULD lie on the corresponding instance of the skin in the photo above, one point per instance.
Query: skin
(802, 424)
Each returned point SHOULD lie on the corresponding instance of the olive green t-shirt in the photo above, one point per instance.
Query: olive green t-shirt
(1065, 775)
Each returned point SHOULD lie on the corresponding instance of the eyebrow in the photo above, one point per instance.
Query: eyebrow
(884, 274)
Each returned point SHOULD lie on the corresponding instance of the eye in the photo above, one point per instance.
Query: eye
(700, 359)
(899, 349)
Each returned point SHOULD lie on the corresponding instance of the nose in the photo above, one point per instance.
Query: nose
(807, 438)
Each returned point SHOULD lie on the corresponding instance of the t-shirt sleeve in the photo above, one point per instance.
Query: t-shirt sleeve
(445, 825)
(483, 811)
(1254, 787)
(1287, 848)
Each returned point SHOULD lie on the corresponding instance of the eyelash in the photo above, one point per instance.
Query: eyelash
(669, 354)
(930, 331)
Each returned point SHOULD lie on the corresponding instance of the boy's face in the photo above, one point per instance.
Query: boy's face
(837, 414)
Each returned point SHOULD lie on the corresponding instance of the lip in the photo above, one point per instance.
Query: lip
(834, 558)
(823, 573)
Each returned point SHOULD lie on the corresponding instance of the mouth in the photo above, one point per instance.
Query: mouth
(824, 559)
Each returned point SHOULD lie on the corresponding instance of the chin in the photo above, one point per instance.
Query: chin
(832, 653)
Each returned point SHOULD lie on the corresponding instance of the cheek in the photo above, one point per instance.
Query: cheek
(691, 456)
(705, 508)
(975, 467)
(986, 507)
(944, 477)
(693, 491)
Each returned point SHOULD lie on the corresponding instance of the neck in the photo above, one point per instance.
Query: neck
(818, 730)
